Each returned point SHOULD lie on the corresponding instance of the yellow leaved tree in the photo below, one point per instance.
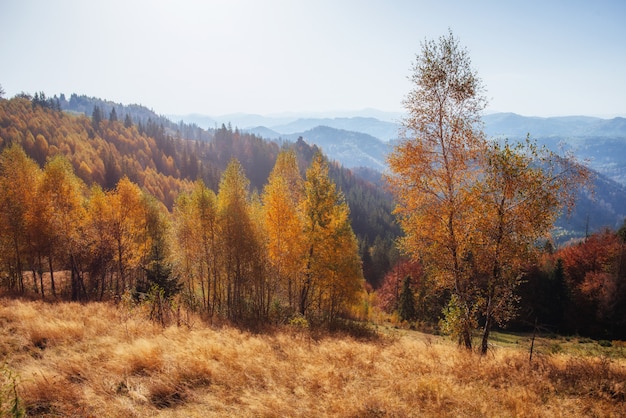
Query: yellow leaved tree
(65, 194)
(195, 238)
(127, 225)
(238, 242)
(19, 179)
(284, 224)
(332, 276)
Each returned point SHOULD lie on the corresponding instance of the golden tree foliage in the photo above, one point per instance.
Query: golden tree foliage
(65, 195)
(123, 219)
(19, 178)
(521, 194)
(101, 243)
(333, 275)
(254, 258)
(471, 210)
(236, 255)
(238, 241)
(196, 233)
(435, 167)
(284, 224)
(99, 156)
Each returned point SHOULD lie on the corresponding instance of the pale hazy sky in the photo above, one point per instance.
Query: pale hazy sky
(536, 58)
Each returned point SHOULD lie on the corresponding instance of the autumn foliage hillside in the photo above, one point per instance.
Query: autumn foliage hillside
(165, 158)
(103, 149)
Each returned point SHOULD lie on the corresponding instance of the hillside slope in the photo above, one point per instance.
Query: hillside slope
(98, 359)
(162, 161)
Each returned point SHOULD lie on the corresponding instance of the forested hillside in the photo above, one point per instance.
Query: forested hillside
(119, 168)
(115, 141)
(232, 254)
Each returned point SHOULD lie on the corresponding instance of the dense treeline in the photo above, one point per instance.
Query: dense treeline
(136, 114)
(371, 207)
(100, 151)
(104, 148)
(117, 206)
(578, 289)
(233, 254)
(157, 156)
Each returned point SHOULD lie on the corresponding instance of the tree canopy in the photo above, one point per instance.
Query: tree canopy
(471, 209)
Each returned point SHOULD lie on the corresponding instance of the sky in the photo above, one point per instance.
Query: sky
(535, 58)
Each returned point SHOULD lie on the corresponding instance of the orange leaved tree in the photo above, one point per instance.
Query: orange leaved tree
(471, 209)
(436, 167)
(521, 194)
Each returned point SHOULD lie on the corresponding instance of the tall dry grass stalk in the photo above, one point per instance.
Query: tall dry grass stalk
(100, 360)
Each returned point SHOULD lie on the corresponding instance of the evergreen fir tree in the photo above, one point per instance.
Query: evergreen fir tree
(406, 305)
(127, 121)
(96, 118)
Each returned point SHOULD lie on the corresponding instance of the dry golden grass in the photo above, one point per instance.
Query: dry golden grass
(100, 360)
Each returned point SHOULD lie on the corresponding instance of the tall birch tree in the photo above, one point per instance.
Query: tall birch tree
(435, 167)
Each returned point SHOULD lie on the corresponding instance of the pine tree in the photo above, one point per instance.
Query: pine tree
(406, 305)
(157, 267)
(96, 118)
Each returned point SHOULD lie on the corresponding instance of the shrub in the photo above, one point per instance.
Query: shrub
(555, 348)
(299, 322)
(10, 403)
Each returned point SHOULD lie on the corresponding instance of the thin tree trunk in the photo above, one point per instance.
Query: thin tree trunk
(103, 284)
(120, 269)
(485, 342)
(467, 334)
(34, 271)
(304, 294)
(40, 275)
(78, 285)
(19, 276)
(52, 287)
(532, 343)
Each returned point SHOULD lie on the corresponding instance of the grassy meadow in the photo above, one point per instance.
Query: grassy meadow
(98, 359)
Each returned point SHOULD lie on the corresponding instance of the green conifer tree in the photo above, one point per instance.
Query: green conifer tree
(406, 304)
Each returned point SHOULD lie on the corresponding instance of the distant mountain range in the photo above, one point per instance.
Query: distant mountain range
(350, 148)
(388, 121)
(601, 143)
(363, 139)
(513, 125)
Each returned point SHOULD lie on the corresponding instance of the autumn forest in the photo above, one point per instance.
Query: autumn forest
(99, 206)
(161, 226)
